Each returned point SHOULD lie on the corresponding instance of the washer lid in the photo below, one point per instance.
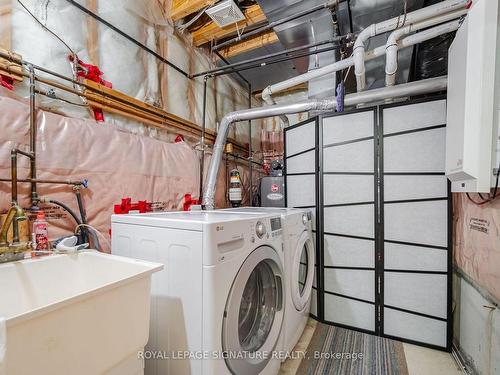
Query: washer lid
(254, 313)
(302, 271)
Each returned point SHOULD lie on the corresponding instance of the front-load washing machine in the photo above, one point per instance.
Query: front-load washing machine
(218, 305)
(299, 267)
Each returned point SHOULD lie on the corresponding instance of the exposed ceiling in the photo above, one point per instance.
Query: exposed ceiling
(349, 16)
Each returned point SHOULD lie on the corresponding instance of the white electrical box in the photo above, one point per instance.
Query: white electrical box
(474, 100)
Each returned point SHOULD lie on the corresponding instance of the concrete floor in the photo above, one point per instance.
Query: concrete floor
(420, 361)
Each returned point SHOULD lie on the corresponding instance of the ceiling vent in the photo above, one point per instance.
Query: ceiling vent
(225, 13)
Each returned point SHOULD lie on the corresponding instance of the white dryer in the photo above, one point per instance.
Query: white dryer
(218, 305)
(300, 258)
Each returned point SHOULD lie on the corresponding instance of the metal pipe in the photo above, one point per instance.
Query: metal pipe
(250, 157)
(437, 9)
(13, 175)
(391, 47)
(224, 60)
(271, 55)
(41, 181)
(412, 88)
(282, 59)
(128, 37)
(33, 132)
(202, 140)
(273, 24)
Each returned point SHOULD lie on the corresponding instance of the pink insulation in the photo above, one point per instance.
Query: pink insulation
(116, 163)
(477, 241)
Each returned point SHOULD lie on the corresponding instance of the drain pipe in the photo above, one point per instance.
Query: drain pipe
(408, 89)
(346, 63)
(394, 23)
(391, 47)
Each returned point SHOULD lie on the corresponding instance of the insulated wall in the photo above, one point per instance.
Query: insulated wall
(130, 69)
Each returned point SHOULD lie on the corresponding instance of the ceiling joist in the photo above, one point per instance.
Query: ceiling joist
(211, 31)
(183, 8)
(258, 41)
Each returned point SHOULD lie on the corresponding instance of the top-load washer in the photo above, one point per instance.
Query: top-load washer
(299, 267)
(218, 305)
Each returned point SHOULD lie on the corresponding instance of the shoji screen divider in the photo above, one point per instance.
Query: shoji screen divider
(374, 178)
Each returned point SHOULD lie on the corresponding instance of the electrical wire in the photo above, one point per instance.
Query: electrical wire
(46, 28)
(184, 26)
(477, 203)
(492, 196)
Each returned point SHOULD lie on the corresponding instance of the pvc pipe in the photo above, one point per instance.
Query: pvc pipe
(412, 88)
(345, 63)
(391, 47)
(394, 23)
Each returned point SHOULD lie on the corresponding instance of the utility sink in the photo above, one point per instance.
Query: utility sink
(84, 313)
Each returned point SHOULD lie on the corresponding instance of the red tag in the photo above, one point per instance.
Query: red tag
(275, 188)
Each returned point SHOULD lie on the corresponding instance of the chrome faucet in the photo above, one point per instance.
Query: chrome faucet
(15, 250)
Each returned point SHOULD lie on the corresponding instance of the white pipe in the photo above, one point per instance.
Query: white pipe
(407, 89)
(394, 23)
(391, 47)
(344, 64)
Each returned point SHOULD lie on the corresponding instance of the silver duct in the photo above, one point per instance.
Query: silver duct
(408, 89)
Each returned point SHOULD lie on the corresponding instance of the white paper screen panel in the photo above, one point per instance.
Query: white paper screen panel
(353, 283)
(414, 187)
(303, 163)
(414, 327)
(414, 258)
(415, 152)
(414, 116)
(421, 293)
(351, 157)
(349, 312)
(348, 252)
(344, 128)
(341, 189)
(301, 191)
(300, 138)
(417, 222)
(350, 220)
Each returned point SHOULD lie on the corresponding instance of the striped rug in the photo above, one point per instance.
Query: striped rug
(340, 351)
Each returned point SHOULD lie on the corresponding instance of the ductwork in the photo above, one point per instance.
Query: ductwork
(408, 89)
(394, 23)
(346, 63)
(391, 47)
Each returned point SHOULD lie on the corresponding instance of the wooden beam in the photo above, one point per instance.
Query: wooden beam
(211, 31)
(183, 8)
(255, 42)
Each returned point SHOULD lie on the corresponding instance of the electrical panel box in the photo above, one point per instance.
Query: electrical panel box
(474, 100)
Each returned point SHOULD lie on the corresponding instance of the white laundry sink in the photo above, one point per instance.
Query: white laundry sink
(86, 313)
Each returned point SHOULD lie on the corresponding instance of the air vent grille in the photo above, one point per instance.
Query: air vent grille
(225, 13)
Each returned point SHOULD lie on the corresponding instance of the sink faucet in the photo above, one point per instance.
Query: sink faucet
(14, 251)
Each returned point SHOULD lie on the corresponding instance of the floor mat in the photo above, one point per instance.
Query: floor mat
(339, 351)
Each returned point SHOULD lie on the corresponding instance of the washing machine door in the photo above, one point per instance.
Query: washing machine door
(302, 267)
(254, 313)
